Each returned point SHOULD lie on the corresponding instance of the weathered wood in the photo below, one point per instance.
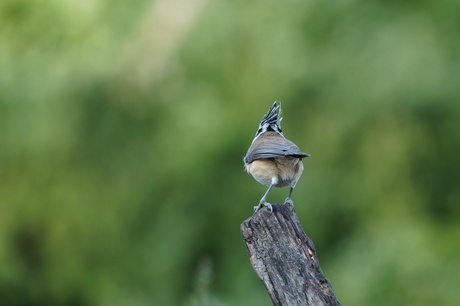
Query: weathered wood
(285, 259)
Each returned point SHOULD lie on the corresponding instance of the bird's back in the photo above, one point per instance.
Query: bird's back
(272, 145)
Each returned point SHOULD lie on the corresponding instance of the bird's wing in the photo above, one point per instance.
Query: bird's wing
(273, 148)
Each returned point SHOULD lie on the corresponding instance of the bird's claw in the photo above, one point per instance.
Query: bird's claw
(262, 204)
(289, 201)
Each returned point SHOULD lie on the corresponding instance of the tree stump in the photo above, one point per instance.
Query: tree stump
(285, 259)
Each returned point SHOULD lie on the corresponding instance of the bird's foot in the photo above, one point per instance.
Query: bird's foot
(289, 201)
(262, 204)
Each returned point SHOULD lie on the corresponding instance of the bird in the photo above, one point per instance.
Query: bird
(273, 160)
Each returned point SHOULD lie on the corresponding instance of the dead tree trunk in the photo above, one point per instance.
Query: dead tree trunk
(285, 259)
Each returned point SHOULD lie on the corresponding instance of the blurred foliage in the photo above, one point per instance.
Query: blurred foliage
(123, 126)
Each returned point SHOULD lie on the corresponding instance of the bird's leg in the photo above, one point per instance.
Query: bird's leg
(262, 201)
(288, 199)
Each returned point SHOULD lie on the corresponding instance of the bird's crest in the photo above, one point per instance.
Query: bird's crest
(271, 122)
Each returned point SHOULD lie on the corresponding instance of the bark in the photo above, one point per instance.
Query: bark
(285, 259)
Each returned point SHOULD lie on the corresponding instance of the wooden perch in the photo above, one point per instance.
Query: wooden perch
(285, 259)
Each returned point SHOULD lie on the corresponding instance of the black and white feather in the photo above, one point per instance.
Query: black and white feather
(271, 122)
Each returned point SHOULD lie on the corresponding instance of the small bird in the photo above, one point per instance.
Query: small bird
(273, 160)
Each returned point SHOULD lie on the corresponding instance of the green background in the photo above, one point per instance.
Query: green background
(123, 125)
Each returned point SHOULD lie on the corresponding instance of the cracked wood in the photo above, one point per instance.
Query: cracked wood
(285, 259)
